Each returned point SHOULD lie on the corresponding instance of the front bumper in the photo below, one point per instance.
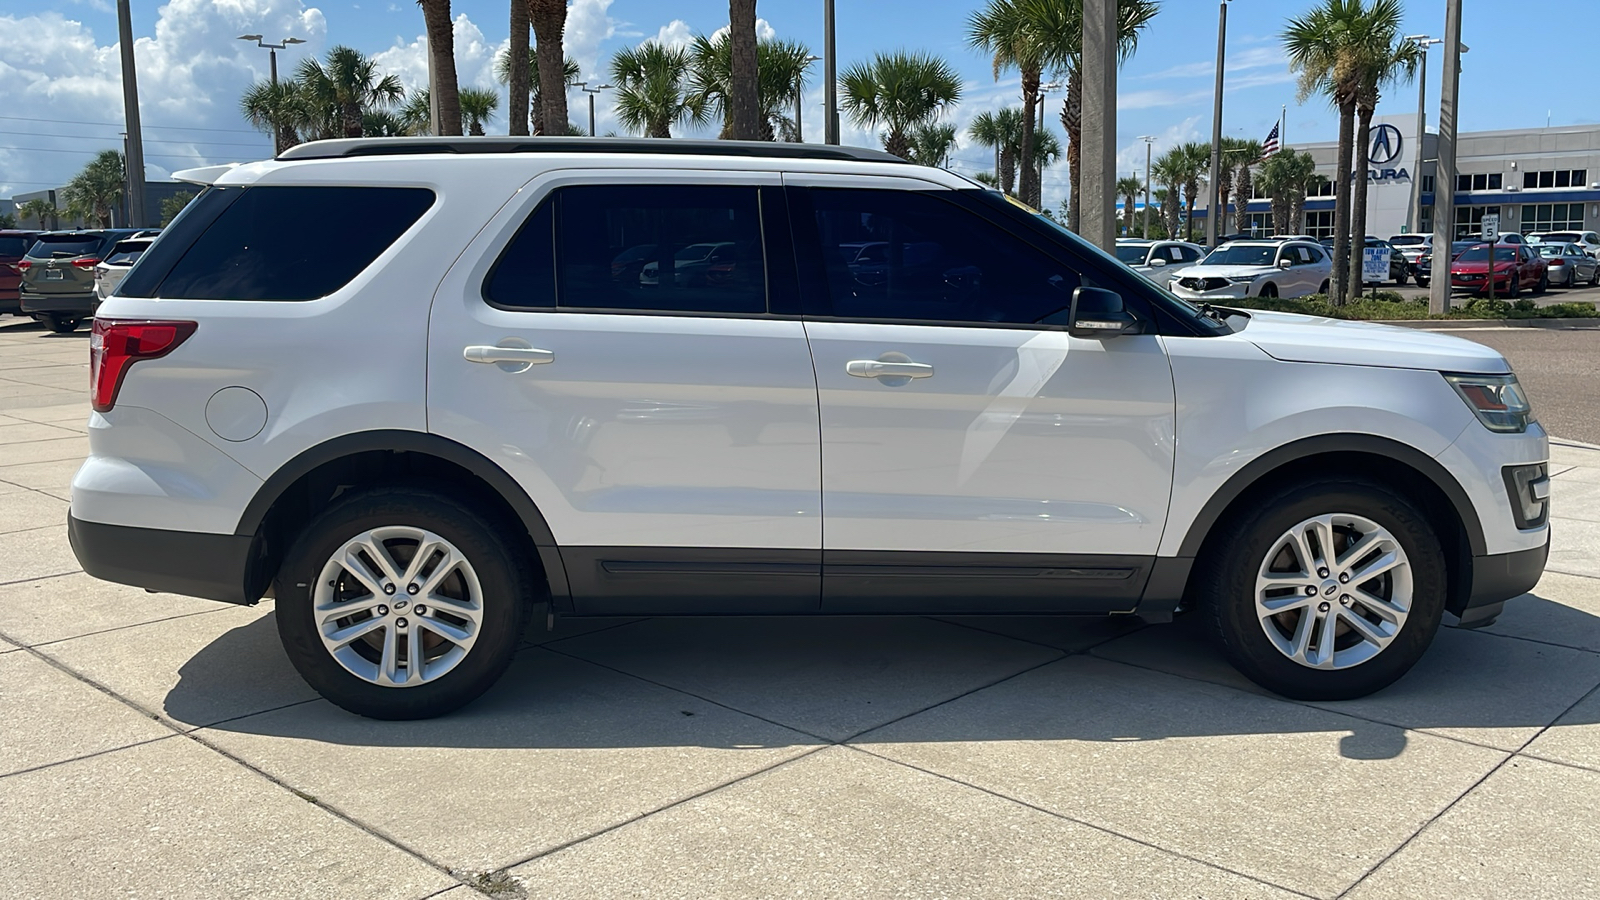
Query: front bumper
(1496, 579)
(1230, 292)
(71, 304)
(194, 564)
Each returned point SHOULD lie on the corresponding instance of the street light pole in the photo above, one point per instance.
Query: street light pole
(1045, 88)
(1149, 141)
(1213, 213)
(830, 75)
(133, 158)
(1444, 182)
(1414, 211)
(799, 100)
(591, 91)
(280, 138)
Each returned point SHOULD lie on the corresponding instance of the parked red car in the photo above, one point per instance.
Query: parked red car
(1515, 267)
(13, 246)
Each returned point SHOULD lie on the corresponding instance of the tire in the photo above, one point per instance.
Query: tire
(393, 519)
(1324, 289)
(1514, 287)
(1543, 285)
(62, 324)
(1268, 290)
(1400, 280)
(1422, 282)
(1256, 539)
(1594, 279)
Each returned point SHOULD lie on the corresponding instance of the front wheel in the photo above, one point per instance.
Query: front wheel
(63, 324)
(1269, 290)
(1326, 589)
(1422, 282)
(400, 603)
(1400, 279)
(1544, 283)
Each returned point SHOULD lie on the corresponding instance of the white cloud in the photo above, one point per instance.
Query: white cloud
(1131, 155)
(408, 60)
(764, 31)
(588, 24)
(676, 33)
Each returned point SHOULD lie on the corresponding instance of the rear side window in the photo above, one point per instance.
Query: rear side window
(660, 248)
(253, 244)
(11, 245)
(525, 275)
(65, 246)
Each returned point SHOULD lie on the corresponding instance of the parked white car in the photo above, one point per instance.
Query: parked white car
(1264, 268)
(1157, 258)
(108, 273)
(469, 412)
(1588, 240)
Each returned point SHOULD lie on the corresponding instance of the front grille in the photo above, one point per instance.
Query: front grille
(1203, 284)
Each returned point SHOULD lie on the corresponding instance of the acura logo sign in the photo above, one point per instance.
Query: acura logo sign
(1385, 146)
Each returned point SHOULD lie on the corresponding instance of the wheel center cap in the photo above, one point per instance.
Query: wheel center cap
(400, 604)
(1330, 587)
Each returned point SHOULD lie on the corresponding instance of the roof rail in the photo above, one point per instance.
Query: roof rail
(407, 146)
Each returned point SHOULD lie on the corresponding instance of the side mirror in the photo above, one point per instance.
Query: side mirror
(1285, 263)
(1098, 313)
(1157, 263)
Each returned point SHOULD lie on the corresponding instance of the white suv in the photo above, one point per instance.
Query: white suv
(470, 399)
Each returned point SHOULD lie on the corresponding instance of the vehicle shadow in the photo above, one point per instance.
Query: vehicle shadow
(751, 682)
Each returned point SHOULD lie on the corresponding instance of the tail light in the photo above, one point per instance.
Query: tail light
(116, 344)
(1558, 262)
(23, 266)
(86, 263)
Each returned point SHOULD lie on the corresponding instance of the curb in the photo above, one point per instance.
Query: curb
(1558, 324)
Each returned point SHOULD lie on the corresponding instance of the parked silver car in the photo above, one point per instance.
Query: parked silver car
(1569, 265)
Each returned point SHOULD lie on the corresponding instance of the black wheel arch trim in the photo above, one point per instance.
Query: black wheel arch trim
(402, 441)
(1274, 459)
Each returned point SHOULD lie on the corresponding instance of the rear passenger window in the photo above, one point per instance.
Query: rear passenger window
(660, 248)
(893, 254)
(525, 275)
(258, 247)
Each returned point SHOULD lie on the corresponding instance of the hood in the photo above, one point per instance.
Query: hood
(1313, 339)
(1229, 271)
(1482, 265)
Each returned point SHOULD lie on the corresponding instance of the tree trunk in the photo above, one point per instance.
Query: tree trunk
(1341, 204)
(659, 129)
(1169, 211)
(897, 143)
(1072, 124)
(1190, 188)
(1127, 214)
(1008, 171)
(442, 49)
(1358, 204)
(744, 98)
(1224, 192)
(350, 113)
(1241, 199)
(1028, 178)
(549, 18)
(1296, 223)
(517, 57)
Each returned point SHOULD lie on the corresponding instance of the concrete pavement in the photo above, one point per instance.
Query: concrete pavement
(153, 745)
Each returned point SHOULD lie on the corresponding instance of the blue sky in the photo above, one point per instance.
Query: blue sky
(58, 65)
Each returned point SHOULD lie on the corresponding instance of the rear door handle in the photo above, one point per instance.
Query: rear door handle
(527, 355)
(878, 368)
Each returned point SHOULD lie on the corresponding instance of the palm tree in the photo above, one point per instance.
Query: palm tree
(1245, 154)
(1015, 39)
(1000, 131)
(477, 108)
(348, 85)
(781, 77)
(442, 55)
(743, 101)
(1195, 159)
(278, 109)
(383, 123)
(653, 91)
(1320, 48)
(1171, 171)
(549, 19)
(1128, 187)
(518, 79)
(1301, 172)
(899, 91)
(416, 113)
(931, 143)
(503, 73)
(40, 211)
(1386, 59)
(93, 193)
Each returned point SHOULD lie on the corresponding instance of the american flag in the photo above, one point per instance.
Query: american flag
(1270, 145)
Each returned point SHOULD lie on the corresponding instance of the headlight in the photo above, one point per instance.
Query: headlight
(1497, 400)
(1243, 279)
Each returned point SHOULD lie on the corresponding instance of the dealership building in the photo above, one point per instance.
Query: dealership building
(1535, 180)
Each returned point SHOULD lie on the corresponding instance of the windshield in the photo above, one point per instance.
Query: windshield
(126, 253)
(1562, 237)
(64, 246)
(1480, 253)
(1241, 255)
(1552, 249)
(695, 251)
(1407, 240)
(1132, 255)
(11, 245)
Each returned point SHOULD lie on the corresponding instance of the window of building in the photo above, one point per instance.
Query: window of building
(660, 248)
(1494, 181)
(1541, 217)
(1469, 220)
(1319, 223)
(1482, 181)
(1259, 224)
(1427, 220)
(1555, 178)
(909, 255)
(1427, 184)
(1322, 188)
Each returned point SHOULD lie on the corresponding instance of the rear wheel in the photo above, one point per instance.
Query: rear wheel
(400, 603)
(1594, 279)
(1400, 279)
(1323, 290)
(63, 324)
(1326, 589)
(1421, 281)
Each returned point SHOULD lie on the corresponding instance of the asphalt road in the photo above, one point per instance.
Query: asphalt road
(1559, 368)
(1584, 294)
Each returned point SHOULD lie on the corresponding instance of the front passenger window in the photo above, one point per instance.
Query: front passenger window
(910, 255)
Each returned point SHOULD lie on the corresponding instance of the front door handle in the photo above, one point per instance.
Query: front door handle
(511, 355)
(878, 368)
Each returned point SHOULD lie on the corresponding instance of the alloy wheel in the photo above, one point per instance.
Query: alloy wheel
(398, 606)
(1334, 591)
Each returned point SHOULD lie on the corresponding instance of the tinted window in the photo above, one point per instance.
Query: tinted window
(525, 275)
(11, 245)
(1241, 255)
(258, 247)
(1561, 236)
(938, 261)
(64, 246)
(1132, 255)
(660, 248)
(126, 253)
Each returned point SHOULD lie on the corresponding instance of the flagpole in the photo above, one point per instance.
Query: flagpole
(1283, 127)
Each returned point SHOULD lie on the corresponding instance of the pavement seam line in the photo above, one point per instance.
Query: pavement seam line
(967, 693)
(660, 809)
(1103, 829)
(61, 762)
(39, 577)
(1024, 640)
(115, 628)
(1571, 573)
(1529, 742)
(194, 736)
